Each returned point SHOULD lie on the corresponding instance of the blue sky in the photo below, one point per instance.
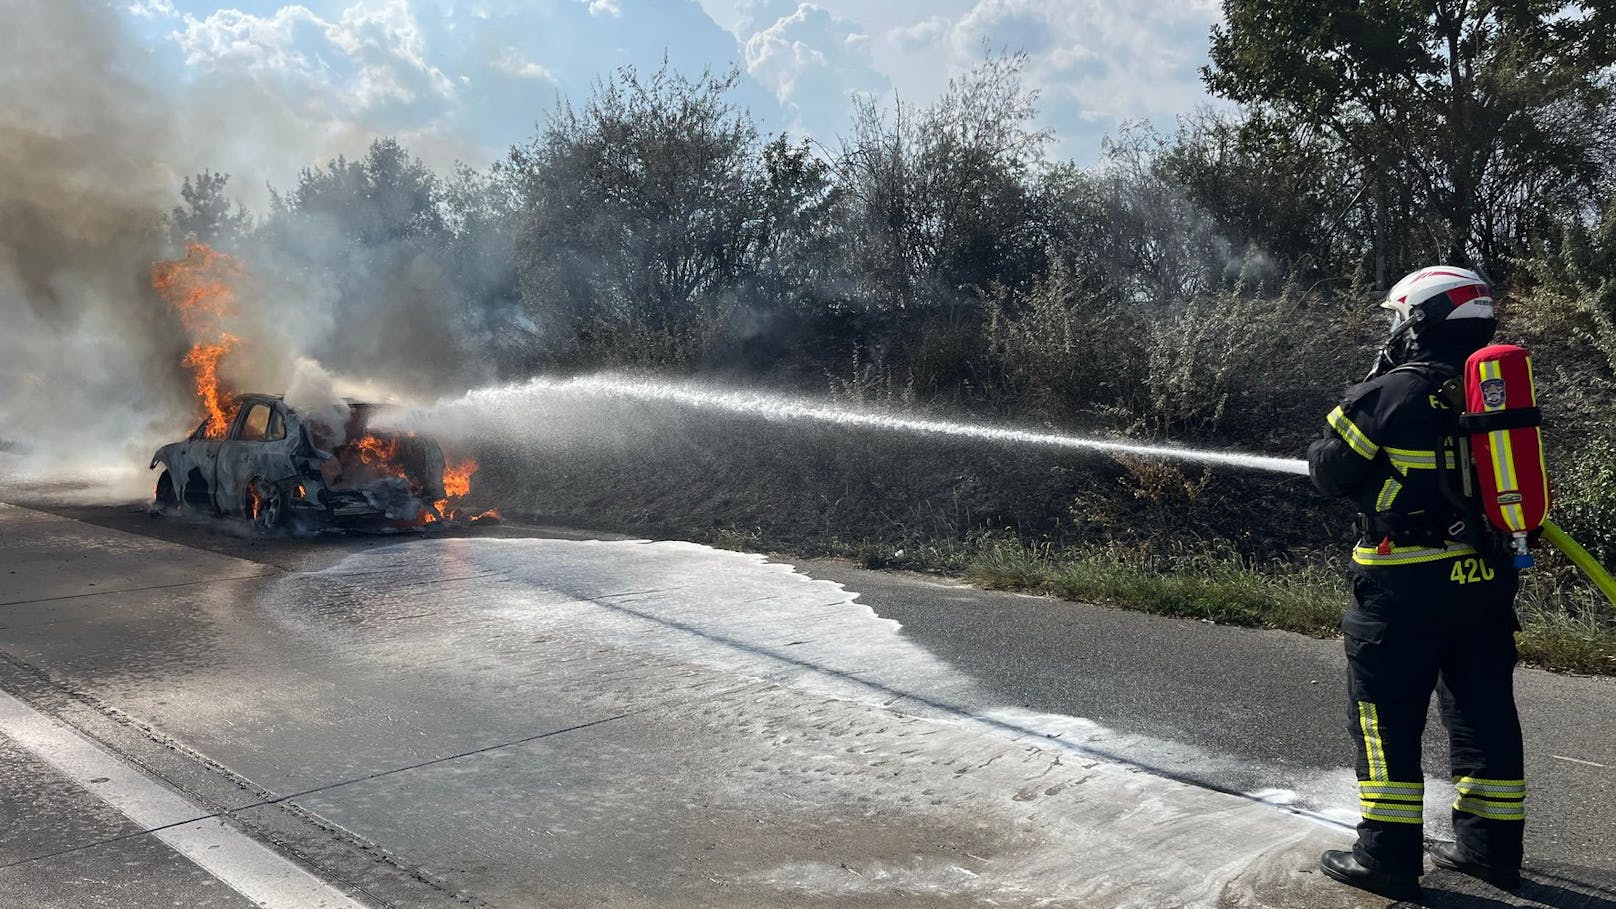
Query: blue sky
(285, 85)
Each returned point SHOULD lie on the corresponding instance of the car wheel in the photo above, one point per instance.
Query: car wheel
(164, 497)
(266, 506)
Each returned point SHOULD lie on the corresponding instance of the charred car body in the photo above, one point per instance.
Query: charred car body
(277, 467)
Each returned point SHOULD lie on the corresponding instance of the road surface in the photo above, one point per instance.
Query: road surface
(520, 717)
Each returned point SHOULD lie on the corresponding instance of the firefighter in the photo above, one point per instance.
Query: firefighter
(1432, 603)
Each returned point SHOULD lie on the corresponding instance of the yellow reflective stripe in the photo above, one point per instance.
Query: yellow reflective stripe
(1379, 798)
(1413, 798)
(1499, 800)
(1355, 437)
(1468, 785)
(1369, 722)
(1406, 459)
(1503, 457)
(1388, 495)
(1497, 811)
(1394, 791)
(1389, 814)
(1531, 383)
(1408, 555)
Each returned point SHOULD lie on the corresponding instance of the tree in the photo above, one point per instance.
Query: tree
(361, 254)
(940, 197)
(1448, 108)
(1262, 188)
(387, 196)
(795, 259)
(208, 215)
(638, 211)
(479, 211)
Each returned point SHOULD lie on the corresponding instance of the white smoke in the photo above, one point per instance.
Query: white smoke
(87, 355)
(92, 152)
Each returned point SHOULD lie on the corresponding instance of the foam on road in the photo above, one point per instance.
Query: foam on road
(540, 722)
(732, 681)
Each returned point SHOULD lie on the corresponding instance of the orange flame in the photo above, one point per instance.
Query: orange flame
(380, 454)
(199, 289)
(457, 478)
(456, 485)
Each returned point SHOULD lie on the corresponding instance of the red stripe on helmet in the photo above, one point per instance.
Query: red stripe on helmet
(1459, 296)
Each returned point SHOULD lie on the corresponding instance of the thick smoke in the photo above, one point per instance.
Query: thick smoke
(91, 158)
(88, 356)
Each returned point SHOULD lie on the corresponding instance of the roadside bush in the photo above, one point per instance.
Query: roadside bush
(1570, 286)
(1585, 503)
(1065, 351)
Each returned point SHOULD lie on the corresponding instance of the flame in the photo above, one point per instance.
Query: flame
(456, 485)
(457, 478)
(380, 454)
(383, 456)
(199, 288)
(254, 501)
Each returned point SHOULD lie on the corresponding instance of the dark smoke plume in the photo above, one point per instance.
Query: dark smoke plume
(92, 154)
(87, 353)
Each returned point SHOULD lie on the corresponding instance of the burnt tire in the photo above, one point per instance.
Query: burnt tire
(267, 506)
(164, 498)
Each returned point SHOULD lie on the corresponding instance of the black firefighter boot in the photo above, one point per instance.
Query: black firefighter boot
(1342, 865)
(1453, 858)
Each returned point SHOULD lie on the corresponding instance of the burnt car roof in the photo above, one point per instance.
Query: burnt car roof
(270, 396)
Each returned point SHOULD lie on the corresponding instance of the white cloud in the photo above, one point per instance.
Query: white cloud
(753, 16)
(815, 62)
(386, 43)
(153, 9)
(1097, 64)
(368, 61)
(230, 40)
(925, 33)
(605, 8)
(511, 62)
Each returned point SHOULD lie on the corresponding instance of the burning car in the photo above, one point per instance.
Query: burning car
(262, 460)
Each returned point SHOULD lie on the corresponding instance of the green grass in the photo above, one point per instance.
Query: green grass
(1565, 623)
(1220, 589)
(1557, 640)
(1565, 626)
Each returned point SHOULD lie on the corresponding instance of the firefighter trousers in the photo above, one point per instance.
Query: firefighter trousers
(1447, 626)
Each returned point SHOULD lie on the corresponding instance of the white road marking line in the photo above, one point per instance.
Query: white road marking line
(1572, 760)
(242, 863)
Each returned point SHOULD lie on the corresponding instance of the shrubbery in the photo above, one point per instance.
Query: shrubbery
(1212, 286)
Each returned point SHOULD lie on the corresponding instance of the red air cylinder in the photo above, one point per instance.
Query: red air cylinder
(1506, 443)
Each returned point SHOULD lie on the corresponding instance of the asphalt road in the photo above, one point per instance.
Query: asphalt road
(530, 717)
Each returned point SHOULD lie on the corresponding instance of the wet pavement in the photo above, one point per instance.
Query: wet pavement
(511, 719)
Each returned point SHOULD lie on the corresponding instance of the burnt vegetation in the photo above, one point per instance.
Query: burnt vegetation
(1211, 284)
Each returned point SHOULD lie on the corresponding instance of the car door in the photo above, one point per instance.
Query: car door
(193, 469)
(240, 455)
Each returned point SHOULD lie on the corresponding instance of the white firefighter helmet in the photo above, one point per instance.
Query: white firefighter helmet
(1435, 295)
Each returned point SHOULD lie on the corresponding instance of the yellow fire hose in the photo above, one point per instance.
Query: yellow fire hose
(1582, 559)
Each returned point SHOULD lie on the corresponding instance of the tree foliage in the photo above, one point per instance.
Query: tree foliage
(638, 210)
(940, 198)
(1466, 122)
(207, 214)
(1213, 282)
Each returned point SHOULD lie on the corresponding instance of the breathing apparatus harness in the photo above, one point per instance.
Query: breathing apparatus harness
(1496, 489)
(1500, 494)
(1425, 527)
(1489, 461)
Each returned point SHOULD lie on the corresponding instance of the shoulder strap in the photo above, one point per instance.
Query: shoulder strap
(1444, 380)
